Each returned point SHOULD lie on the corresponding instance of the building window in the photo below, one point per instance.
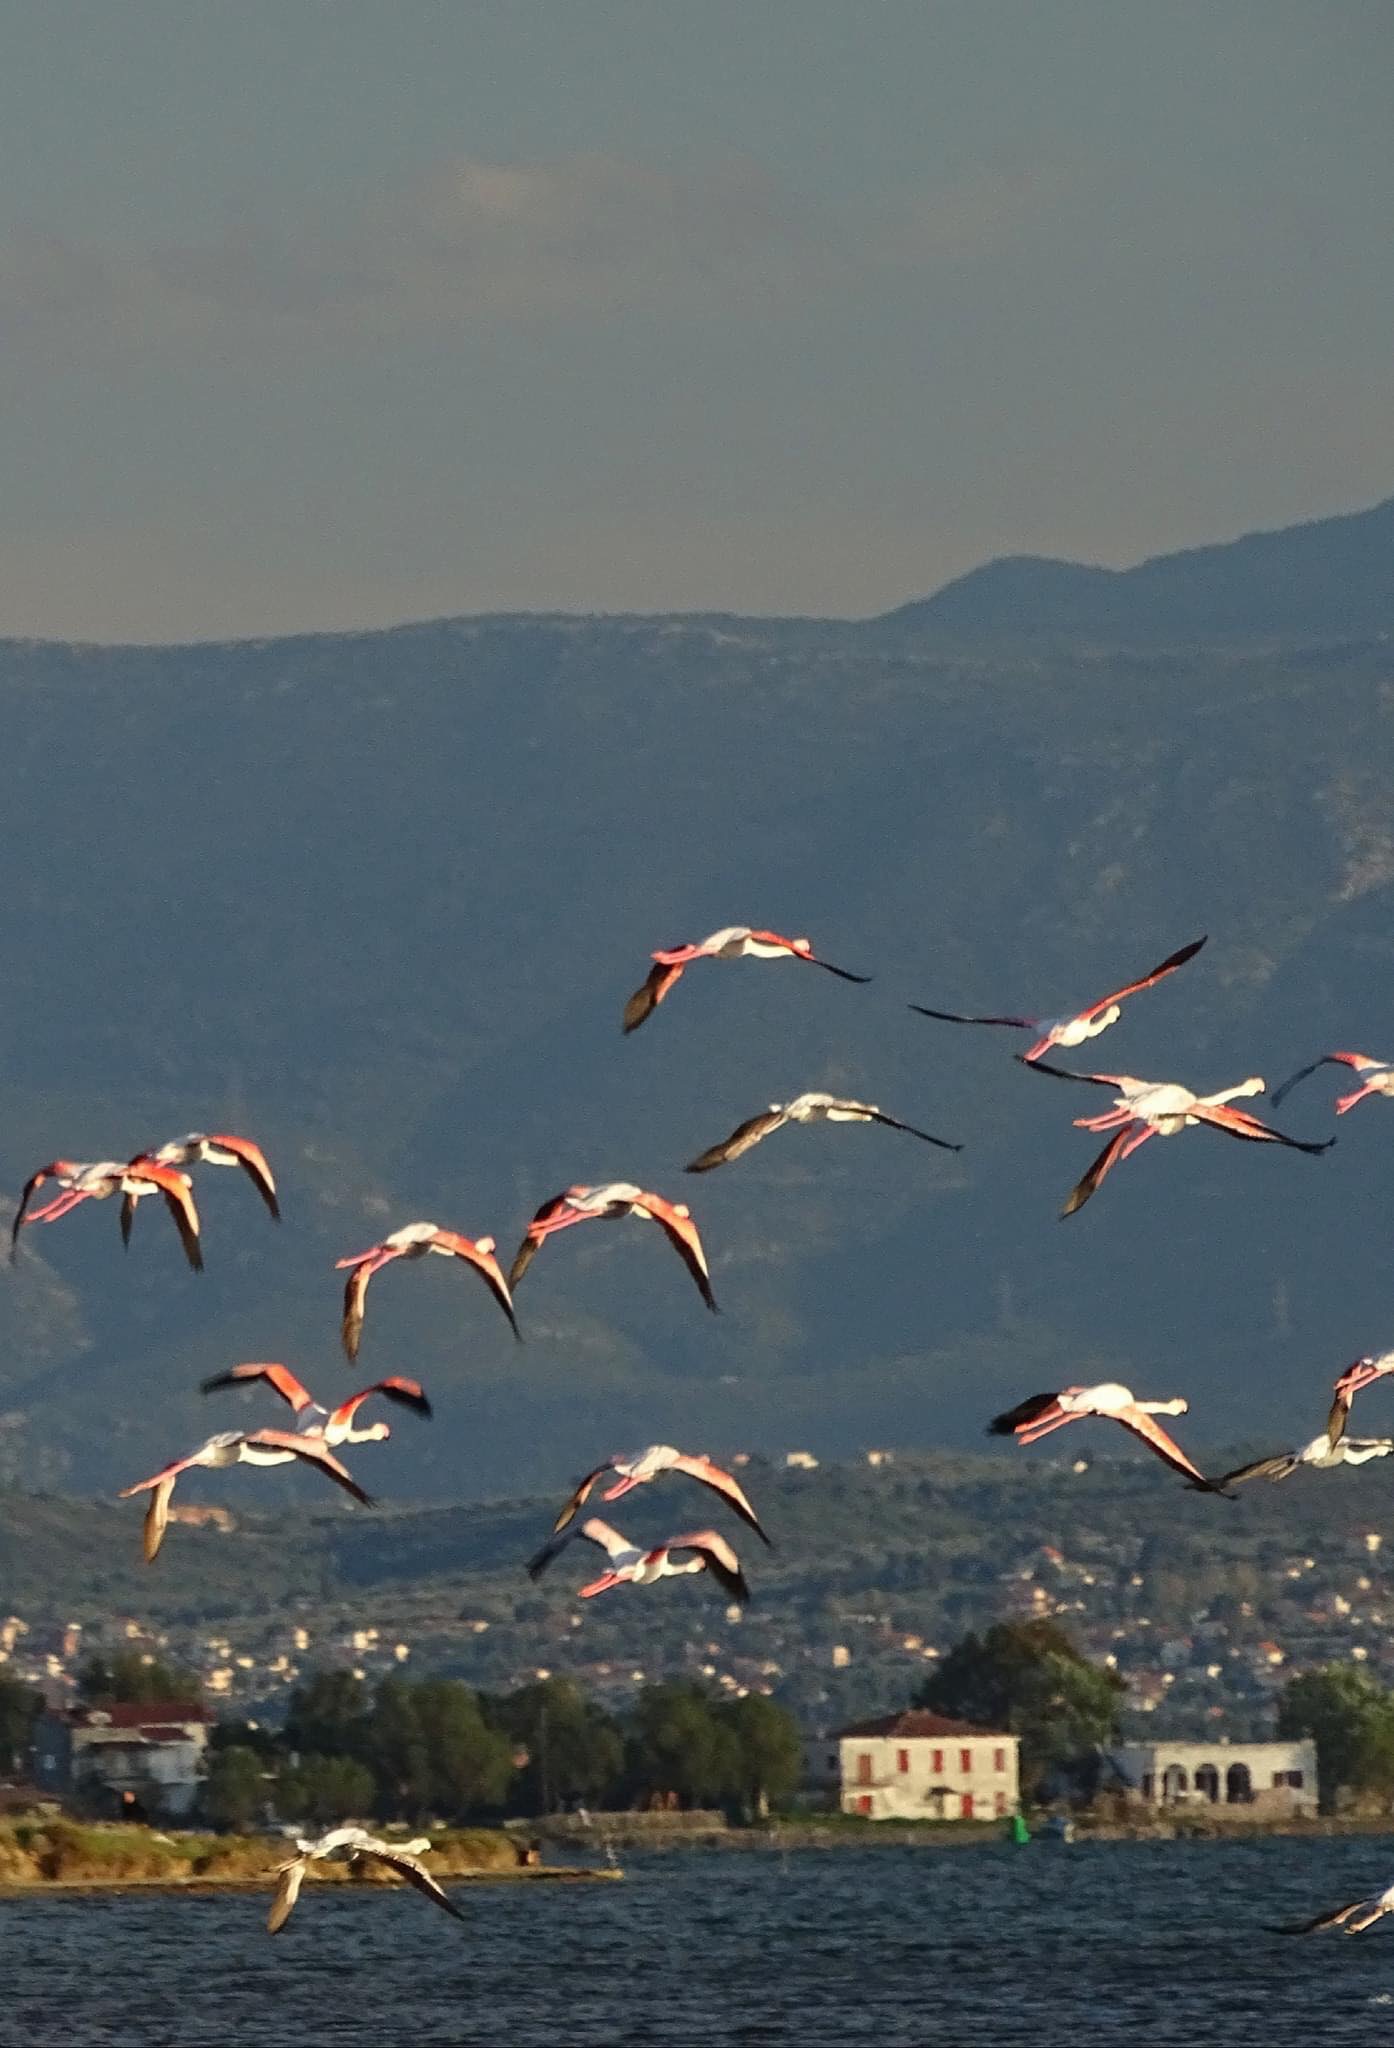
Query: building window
(864, 1769)
(864, 1803)
(999, 1759)
(965, 1762)
(1295, 1780)
(938, 1763)
(966, 1809)
(1000, 1805)
(902, 1759)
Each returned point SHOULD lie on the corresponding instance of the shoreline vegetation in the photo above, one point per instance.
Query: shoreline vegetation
(66, 1857)
(61, 1855)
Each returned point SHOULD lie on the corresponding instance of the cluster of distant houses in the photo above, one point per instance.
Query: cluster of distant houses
(147, 1762)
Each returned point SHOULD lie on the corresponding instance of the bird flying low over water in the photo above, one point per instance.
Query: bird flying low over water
(331, 1426)
(415, 1241)
(81, 1181)
(631, 1565)
(1159, 1109)
(637, 1468)
(581, 1204)
(222, 1149)
(805, 1109)
(1082, 1024)
(1036, 1417)
(355, 1846)
(1355, 1918)
(1376, 1078)
(237, 1447)
(732, 942)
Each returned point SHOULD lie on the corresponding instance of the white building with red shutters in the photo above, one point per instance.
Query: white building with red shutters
(917, 1766)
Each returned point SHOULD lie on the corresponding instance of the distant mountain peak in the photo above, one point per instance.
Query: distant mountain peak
(1324, 579)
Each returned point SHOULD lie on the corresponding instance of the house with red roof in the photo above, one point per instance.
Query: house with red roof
(140, 1758)
(917, 1766)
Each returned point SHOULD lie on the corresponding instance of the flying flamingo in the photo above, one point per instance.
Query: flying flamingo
(805, 1109)
(222, 1149)
(416, 1241)
(236, 1447)
(1083, 1024)
(1032, 1419)
(1355, 1918)
(1333, 1447)
(733, 942)
(637, 1468)
(1376, 1078)
(355, 1846)
(94, 1181)
(1153, 1109)
(580, 1204)
(1363, 1373)
(312, 1418)
(629, 1565)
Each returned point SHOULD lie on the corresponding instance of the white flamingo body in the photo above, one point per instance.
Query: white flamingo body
(1354, 1918)
(631, 1565)
(640, 1468)
(330, 1425)
(1040, 1414)
(236, 1447)
(416, 1241)
(814, 1106)
(732, 942)
(582, 1203)
(354, 1845)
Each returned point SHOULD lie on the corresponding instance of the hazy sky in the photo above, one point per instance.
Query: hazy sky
(338, 312)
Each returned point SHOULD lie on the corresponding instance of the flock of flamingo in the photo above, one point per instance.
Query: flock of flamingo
(1141, 1110)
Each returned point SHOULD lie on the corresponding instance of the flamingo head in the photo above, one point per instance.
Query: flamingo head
(1255, 1085)
(681, 1209)
(1110, 1015)
(485, 1244)
(804, 946)
(376, 1433)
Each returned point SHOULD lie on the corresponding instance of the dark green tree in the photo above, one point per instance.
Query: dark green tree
(325, 1789)
(676, 1744)
(1350, 1717)
(236, 1789)
(328, 1715)
(768, 1758)
(1028, 1679)
(20, 1707)
(129, 1677)
(575, 1751)
(394, 1749)
(470, 1763)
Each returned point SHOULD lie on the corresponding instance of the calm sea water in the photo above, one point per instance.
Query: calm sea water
(1151, 1943)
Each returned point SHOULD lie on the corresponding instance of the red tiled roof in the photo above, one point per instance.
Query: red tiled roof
(914, 1721)
(139, 1714)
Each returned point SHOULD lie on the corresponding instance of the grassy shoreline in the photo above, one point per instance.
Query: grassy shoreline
(62, 1855)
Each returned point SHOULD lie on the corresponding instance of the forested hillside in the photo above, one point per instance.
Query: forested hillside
(378, 900)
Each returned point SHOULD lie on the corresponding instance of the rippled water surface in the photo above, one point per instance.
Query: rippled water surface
(1150, 1943)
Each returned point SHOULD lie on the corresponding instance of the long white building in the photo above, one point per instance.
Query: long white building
(917, 1766)
(1265, 1777)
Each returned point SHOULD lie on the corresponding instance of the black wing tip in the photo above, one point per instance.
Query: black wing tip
(219, 1379)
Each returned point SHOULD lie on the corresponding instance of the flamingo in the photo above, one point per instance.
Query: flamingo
(356, 1846)
(732, 942)
(1036, 1417)
(805, 1109)
(633, 1566)
(312, 1418)
(416, 1241)
(222, 1149)
(1083, 1024)
(94, 1181)
(1376, 1078)
(1355, 1918)
(580, 1204)
(1152, 1109)
(637, 1468)
(1333, 1447)
(1363, 1373)
(236, 1447)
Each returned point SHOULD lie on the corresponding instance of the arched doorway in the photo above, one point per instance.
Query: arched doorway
(1239, 1786)
(1174, 1783)
(1207, 1782)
